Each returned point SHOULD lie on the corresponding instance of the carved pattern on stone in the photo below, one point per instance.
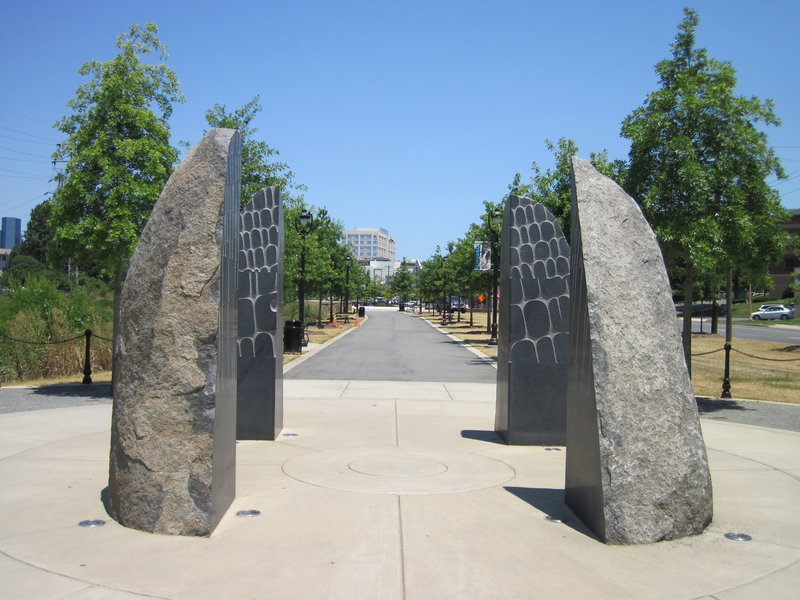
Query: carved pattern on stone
(539, 283)
(260, 310)
(533, 352)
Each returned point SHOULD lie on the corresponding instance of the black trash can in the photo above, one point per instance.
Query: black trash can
(292, 336)
(402, 307)
(362, 311)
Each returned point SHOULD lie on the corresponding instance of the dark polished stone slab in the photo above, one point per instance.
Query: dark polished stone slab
(533, 333)
(260, 395)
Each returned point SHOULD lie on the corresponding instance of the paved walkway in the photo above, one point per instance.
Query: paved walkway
(396, 346)
(386, 490)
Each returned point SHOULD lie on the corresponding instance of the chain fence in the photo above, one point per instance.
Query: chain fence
(87, 362)
(748, 355)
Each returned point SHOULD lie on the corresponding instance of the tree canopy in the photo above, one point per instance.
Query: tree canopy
(698, 164)
(402, 283)
(118, 155)
(259, 167)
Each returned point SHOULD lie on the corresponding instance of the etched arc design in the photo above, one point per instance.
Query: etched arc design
(260, 310)
(538, 284)
(533, 353)
(259, 238)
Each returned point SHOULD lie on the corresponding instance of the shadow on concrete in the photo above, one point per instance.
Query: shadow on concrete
(79, 390)
(482, 436)
(707, 405)
(551, 502)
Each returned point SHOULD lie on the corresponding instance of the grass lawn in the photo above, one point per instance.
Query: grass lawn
(778, 381)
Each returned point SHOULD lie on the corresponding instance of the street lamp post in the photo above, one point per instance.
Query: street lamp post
(348, 259)
(305, 221)
(495, 268)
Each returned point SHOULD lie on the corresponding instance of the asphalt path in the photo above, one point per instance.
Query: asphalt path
(396, 346)
(781, 334)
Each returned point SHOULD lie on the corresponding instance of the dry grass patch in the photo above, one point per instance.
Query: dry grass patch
(776, 380)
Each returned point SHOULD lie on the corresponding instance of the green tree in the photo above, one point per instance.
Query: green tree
(430, 283)
(698, 164)
(402, 282)
(259, 167)
(326, 265)
(118, 155)
(372, 290)
(21, 267)
(37, 233)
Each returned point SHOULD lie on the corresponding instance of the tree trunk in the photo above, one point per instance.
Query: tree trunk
(729, 307)
(687, 316)
(488, 314)
(471, 311)
(714, 317)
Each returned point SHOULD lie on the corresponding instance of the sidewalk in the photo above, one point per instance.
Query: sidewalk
(385, 490)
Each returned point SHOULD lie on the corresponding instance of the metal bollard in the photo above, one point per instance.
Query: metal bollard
(726, 380)
(87, 362)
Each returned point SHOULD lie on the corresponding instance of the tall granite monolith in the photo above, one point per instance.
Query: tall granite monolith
(533, 334)
(173, 431)
(259, 414)
(636, 467)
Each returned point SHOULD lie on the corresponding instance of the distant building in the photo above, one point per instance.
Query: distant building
(371, 244)
(788, 269)
(11, 232)
(382, 271)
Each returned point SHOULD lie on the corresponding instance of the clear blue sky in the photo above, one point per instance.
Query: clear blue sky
(402, 115)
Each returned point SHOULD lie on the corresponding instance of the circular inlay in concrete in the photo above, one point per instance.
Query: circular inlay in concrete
(398, 471)
(398, 466)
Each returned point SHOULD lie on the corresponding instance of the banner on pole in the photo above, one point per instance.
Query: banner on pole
(483, 256)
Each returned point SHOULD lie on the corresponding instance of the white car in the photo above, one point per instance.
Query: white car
(773, 311)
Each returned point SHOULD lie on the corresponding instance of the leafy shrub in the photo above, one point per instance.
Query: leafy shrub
(37, 314)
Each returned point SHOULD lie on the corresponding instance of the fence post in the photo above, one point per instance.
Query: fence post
(87, 363)
(726, 380)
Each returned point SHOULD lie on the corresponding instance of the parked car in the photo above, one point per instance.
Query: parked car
(458, 305)
(763, 306)
(773, 311)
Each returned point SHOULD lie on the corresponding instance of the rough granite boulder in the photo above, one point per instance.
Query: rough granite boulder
(173, 451)
(636, 467)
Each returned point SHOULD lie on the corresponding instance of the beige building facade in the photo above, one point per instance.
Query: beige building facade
(369, 244)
